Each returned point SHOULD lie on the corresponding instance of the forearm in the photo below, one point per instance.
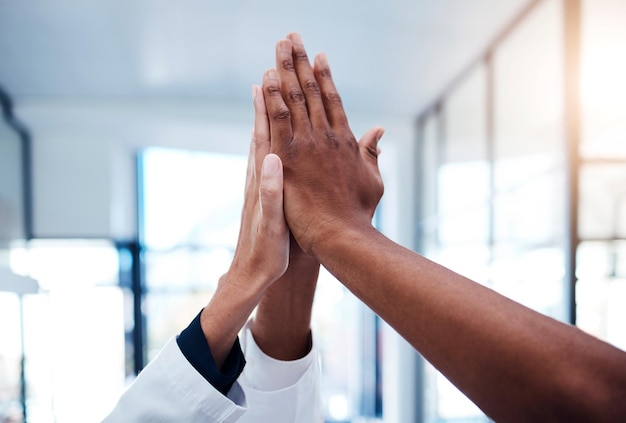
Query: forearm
(224, 316)
(282, 323)
(513, 362)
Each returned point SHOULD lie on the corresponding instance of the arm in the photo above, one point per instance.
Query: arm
(516, 364)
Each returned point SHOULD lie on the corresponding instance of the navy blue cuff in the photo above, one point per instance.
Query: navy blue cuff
(195, 348)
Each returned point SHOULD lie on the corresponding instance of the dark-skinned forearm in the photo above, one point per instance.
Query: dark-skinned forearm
(282, 323)
(516, 364)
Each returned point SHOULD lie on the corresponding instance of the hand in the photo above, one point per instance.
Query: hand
(331, 182)
(262, 251)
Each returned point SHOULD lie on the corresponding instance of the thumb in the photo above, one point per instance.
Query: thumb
(271, 188)
(369, 142)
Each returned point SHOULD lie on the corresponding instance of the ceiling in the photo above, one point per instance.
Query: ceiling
(387, 56)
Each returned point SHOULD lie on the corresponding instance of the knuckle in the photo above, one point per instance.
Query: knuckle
(324, 72)
(287, 65)
(290, 154)
(281, 114)
(272, 90)
(372, 151)
(331, 138)
(311, 86)
(269, 189)
(332, 97)
(296, 96)
(301, 56)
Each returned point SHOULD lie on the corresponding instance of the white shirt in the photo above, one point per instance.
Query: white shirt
(170, 390)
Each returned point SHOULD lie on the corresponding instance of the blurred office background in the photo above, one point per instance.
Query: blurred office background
(122, 153)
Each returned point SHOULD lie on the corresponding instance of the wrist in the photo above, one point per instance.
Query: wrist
(245, 283)
(224, 316)
(282, 325)
(339, 236)
(229, 308)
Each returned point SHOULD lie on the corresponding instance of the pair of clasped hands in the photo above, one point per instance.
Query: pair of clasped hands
(308, 180)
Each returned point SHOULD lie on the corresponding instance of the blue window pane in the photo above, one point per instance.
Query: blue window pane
(191, 198)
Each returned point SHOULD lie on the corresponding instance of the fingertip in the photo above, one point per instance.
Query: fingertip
(270, 74)
(320, 65)
(272, 165)
(322, 59)
(295, 38)
(380, 131)
(373, 136)
(369, 141)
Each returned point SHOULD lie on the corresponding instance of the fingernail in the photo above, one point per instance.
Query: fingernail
(271, 74)
(379, 135)
(295, 38)
(254, 92)
(285, 46)
(271, 165)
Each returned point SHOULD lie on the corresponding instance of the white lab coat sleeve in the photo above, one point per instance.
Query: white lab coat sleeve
(170, 390)
(280, 391)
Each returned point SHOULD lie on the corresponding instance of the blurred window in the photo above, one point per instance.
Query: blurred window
(493, 204)
(601, 255)
(529, 168)
(601, 290)
(76, 320)
(603, 92)
(463, 195)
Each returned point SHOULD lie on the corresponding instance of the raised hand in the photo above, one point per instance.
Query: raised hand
(331, 181)
(263, 245)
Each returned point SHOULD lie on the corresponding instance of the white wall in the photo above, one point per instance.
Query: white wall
(84, 182)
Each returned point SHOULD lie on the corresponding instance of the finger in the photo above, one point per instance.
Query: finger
(308, 83)
(271, 192)
(277, 112)
(332, 101)
(261, 138)
(290, 87)
(251, 159)
(368, 144)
